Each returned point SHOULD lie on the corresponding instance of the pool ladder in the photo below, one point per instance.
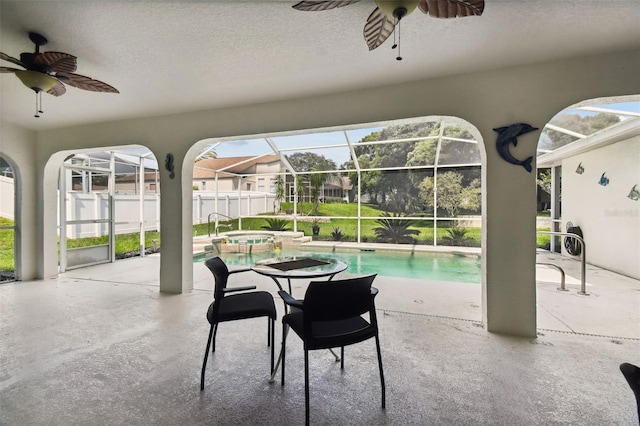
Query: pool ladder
(247, 247)
(583, 264)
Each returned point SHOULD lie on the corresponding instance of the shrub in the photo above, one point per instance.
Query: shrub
(457, 236)
(337, 234)
(395, 231)
(275, 224)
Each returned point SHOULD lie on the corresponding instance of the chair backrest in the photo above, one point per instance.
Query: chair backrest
(220, 274)
(338, 300)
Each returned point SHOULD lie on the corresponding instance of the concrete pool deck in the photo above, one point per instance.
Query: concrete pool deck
(101, 345)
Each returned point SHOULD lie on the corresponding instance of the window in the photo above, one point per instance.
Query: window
(261, 184)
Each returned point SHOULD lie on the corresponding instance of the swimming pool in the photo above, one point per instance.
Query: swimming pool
(426, 266)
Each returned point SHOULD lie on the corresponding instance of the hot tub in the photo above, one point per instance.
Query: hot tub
(244, 241)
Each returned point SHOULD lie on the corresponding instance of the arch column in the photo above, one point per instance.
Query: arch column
(176, 258)
(509, 238)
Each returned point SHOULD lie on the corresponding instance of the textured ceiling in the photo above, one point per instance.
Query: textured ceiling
(169, 57)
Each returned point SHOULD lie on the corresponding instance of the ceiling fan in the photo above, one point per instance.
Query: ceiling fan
(50, 71)
(384, 18)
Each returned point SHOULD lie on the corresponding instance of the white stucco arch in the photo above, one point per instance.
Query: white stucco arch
(17, 214)
(608, 218)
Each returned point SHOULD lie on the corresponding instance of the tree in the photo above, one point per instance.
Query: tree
(308, 162)
(544, 180)
(583, 124)
(316, 181)
(392, 189)
(451, 194)
(279, 191)
(207, 155)
(300, 184)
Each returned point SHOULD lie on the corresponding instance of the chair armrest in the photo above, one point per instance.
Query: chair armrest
(244, 288)
(235, 271)
(289, 300)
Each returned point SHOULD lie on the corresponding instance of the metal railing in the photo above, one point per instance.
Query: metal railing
(583, 261)
(217, 226)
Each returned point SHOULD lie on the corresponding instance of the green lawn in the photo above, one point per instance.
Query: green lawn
(7, 248)
(125, 243)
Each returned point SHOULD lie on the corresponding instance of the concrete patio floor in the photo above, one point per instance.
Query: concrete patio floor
(101, 345)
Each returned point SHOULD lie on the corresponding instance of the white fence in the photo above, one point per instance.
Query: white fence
(6, 198)
(94, 206)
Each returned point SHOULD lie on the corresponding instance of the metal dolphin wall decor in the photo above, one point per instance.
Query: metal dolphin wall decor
(509, 135)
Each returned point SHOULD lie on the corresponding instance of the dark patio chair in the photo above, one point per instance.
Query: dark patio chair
(632, 374)
(330, 316)
(245, 305)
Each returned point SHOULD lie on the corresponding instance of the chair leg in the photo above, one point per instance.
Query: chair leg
(273, 343)
(268, 331)
(284, 352)
(213, 342)
(342, 357)
(306, 387)
(381, 372)
(206, 356)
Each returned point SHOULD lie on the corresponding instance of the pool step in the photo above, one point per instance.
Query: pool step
(303, 239)
(203, 245)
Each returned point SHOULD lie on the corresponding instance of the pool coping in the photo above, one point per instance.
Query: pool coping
(409, 248)
(352, 246)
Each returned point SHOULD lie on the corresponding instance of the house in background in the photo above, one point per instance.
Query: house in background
(258, 174)
(237, 173)
(129, 184)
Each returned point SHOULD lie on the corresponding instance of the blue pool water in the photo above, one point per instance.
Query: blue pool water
(426, 266)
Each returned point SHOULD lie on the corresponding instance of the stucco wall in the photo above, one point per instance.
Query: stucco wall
(18, 147)
(609, 220)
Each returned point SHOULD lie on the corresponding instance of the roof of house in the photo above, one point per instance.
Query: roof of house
(148, 177)
(205, 169)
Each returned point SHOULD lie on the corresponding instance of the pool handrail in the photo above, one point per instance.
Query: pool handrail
(209, 222)
(583, 258)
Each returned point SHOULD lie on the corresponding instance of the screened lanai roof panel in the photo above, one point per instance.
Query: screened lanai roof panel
(321, 139)
(576, 124)
(456, 152)
(242, 148)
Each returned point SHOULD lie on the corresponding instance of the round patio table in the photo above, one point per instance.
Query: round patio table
(297, 267)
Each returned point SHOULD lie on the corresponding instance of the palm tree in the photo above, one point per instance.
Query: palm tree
(279, 191)
(207, 154)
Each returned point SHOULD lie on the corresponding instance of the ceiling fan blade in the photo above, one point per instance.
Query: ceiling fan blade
(85, 83)
(378, 28)
(57, 61)
(313, 6)
(451, 8)
(58, 89)
(12, 59)
(7, 69)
